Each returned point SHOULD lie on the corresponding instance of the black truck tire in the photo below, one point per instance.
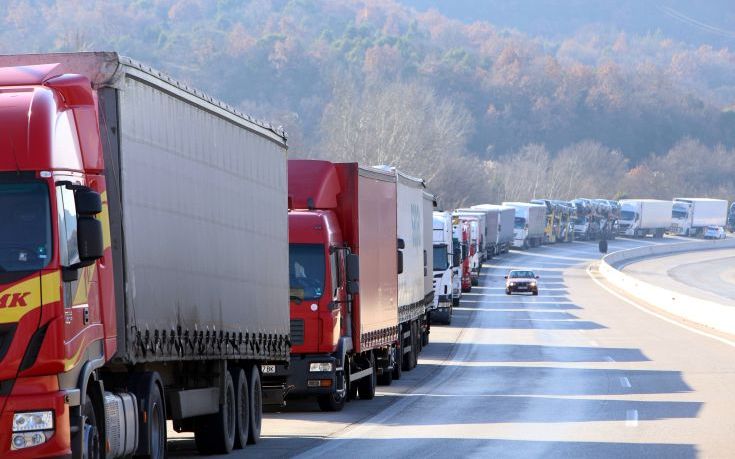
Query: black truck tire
(398, 357)
(366, 386)
(335, 401)
(215, 433)
(91, 433)
(256, 406)
(242, 407)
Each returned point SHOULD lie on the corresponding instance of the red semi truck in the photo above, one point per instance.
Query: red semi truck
(343, 266)
(345, 262)
(137, 280)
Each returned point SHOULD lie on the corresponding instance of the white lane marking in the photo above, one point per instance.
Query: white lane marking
(594, 343)
(609, 359)
(655, 314)
(625, 382)
(631, 418)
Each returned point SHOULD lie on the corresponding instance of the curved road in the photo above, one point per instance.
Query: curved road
(708, 274)
(577, 371)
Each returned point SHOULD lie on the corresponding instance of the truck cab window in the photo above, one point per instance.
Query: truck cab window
(25, 233)
(306, 270)
(67, 216)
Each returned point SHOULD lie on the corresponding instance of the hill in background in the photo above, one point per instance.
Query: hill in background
(462, 102)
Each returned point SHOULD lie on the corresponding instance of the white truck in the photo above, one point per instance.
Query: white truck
(690, 216)
(641, 217)
(446, 287)
(500, 221)
(529, 224)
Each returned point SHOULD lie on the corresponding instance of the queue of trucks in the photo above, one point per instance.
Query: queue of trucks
(152, 233)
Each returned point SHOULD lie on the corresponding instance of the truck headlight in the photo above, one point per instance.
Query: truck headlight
(533, 284)
(320, 366)
(33, 420)
(29, 439)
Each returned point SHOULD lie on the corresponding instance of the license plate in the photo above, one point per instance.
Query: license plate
(266, 369)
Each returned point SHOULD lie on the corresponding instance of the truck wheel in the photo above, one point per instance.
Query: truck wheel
(215, 433)
(398, 359)
(386, 379)
(455, 302)
(335, 401)
(242, 407)
(366, 386)
(256, 406)
(408, 357)
(92, 441)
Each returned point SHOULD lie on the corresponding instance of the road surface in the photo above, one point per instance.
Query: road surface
(577, 371)
(708, 274)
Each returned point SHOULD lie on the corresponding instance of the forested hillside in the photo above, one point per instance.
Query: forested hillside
(472, 107)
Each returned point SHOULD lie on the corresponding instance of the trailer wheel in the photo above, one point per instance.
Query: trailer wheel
(366, 386)
(335, 401)
(455, 302)
(386, 378)
(215, 433)
(256, 406)
(242, 407)
(398, 358)
(407, 357)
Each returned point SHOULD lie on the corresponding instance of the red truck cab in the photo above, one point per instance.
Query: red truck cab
(54, 315)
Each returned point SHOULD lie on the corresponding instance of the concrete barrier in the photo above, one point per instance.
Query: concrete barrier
(703, 312)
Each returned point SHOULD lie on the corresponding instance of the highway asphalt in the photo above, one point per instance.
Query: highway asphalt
(706, 274)
(578, 371)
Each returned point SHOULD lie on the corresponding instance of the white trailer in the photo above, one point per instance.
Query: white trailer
(641, 217)
(529, 224)
(445, 271)
(500, 226)
(690, 216)
(413, 300)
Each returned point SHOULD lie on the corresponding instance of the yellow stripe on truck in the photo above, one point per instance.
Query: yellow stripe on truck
(24, 297)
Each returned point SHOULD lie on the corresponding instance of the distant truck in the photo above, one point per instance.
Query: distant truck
(483, 232)
(344, 262)
(446, 270)
(731, 217)
(461, 239)
(690, 216)
(641, 217)
(529, 224)
(144, 249)
(500, 226)
(553, 216)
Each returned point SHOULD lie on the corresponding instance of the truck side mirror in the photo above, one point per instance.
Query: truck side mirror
(456, 259)
(400, 244)
(89, 239)
(353, 287)
(87, 201)
(353, 267)
(399, 256)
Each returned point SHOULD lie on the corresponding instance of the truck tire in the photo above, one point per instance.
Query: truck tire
(455, 302)
(408, 357)
(335, 401)
(386, 378)
(92, 442)
(366, 386)
(256, 406)
(215, 433)
(242, 407)
(398, 359)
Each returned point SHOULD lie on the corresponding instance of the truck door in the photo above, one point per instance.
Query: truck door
(80, 293)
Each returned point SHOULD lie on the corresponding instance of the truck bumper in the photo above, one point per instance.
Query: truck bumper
(57, 440)
(301, 381)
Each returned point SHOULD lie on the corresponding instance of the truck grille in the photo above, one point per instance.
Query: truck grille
(297, 332)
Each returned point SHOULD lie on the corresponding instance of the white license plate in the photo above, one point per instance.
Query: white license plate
(266, 369)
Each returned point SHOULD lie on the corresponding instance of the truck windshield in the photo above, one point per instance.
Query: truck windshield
(306, 270)
(519, 223)
(679, 212)
(580, 220)
(627, 215)
(441, 262)
(25, 232)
